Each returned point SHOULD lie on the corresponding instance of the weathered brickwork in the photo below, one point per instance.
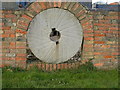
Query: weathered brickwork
(100, 36)
(106, 39)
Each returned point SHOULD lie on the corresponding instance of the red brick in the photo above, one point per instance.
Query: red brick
(97, 53)
(100, 31)
(58, 66)
(23, 23)
(36, 7)
(113, 13)
(63, 4)
(47, 67)
(14, 20)
(104, 21)
(21, 31)
(108, 56)
(88, 49)
(1, 54)
(1, 16)
(4, 46)
(75, 7)
(90, 26)
(4, 58)
(1, 11)
(105, 46)
(12, 43)
(100, 35)
(2, 65)
(27, 17)
(62, 66)
(102, 46)
(80, 13)
(115, 46)
(111, 17)
(22, 55)
(85, 20)
(51, 68)
(99, 64)
(116, 53)
(10, 16)
(5, 50)
(22, 27)
(9, 31)
(12, 47)
(97, 38)
(38, 65)
(99, 42)
(7, 12)
(116, 25)
(54, 66)
(101, 24)
(21, 47)
(59, 4)
(20, 58)
(84, 16)
(55, 4)
(43, 5)
(103, 28)
(43, 66)
(88, 31)
(31, 65)
(87, 23)
(12, 58)
(1, 23)
(113, 28)
(88, 45)
(1, 47)
(20, 43)
(89, 38)
(4, 35)
(5, 28)
(114, 60)
(12, 35)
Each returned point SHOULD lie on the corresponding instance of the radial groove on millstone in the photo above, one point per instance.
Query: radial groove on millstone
(70, 39)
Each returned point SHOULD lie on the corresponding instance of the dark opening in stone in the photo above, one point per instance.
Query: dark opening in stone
(55, 35)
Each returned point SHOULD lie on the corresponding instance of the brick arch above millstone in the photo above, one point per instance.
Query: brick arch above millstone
(36, 7)
(82, 14)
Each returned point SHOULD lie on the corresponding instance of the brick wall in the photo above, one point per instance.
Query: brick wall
(100, 36)
(106, 39)
(13, 52)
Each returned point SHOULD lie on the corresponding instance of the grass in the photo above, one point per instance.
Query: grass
(84, 77)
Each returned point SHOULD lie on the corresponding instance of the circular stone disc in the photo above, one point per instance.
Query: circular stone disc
(39, 35)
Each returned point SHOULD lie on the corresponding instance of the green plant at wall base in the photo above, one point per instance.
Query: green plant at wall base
(86, 76)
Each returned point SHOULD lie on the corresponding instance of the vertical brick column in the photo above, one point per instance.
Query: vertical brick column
(87, 24)
(21, 41)
(106, 39)
(8, 38)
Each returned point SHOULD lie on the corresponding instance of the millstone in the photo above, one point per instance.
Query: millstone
(55, 35)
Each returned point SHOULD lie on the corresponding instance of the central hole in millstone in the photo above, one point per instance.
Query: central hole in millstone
(55, 35)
